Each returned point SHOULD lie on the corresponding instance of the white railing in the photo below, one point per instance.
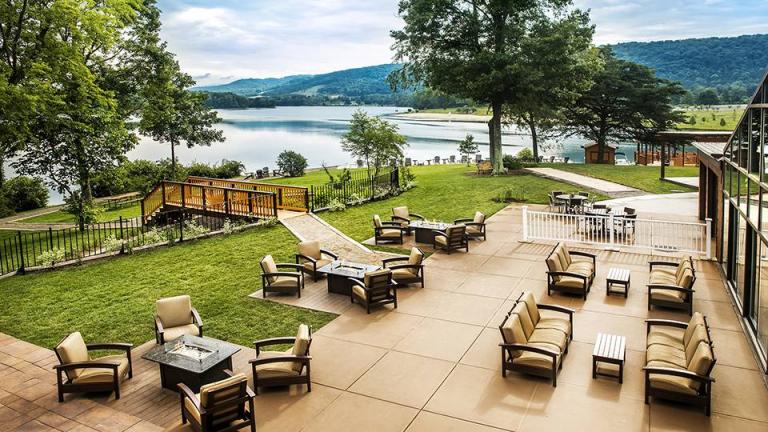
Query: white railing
(614, 232)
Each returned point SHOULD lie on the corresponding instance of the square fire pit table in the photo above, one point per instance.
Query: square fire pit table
(424, 229)
(192, 360)
(338, 273)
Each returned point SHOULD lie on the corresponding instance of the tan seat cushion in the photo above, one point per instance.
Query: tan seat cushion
(377, 221)
(582, 267)
(472, 229)
(667, 295)
(671, 383)
(667, 355)
(276, 370)
(73, 350)
(191, 409)
(404, 275)
(174, 311)
(533, 309)
(441, 240)
(549, 336)
(402, 212)
(319, 263)
(557, 322)
(172, 333)
(390, 233)
(662, 278)
(268, 266)
(479, 218)
(310, 249)
(287, 282)
(526, 322)
(359, 291)
(536, 360)
(301, 345)
(669, 336)
(103, 375)
(570, 282)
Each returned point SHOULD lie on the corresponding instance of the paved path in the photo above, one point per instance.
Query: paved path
(604, 186)
(677, 206)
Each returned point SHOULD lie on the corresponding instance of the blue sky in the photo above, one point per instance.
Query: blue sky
(222, 40)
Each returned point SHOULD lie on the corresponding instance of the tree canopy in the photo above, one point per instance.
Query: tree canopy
(374, 140)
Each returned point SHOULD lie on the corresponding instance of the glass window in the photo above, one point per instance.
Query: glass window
(726, 233)
(743, 191)
(761, 298)
(743, 145)
(753, 202)
(741, 260)
(755, 149)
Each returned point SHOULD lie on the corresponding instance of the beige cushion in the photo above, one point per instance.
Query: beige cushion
(512, 332)
(390, 233)
(174, 311)
(666, 356)
(104, 375)
(697, 319)
(73, 350)
(287, 282)
(268, 266)
(566, 253)
(671, 383)
(416, 258)
(699, 335)
(191, 409)
(536, 360)
(549, 336)
(525, 319)
(301, 345)
(479, 218)
(359, 291)
(662, 278)
(533, 309)
(376, 221)
(231, 385)
(404, 275)
(310, 249)
(172, 333)
(669, 336)
(582, 267)
(556, 323)
(700, 362)
(570, 282)
(319, 263)
(472, 229)
(667, 295)
(401, 212)
(441, 240)
(685, 279)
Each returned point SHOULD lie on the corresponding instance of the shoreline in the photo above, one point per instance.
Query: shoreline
(442, 117)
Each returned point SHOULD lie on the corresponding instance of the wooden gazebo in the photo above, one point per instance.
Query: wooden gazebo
(676, 148)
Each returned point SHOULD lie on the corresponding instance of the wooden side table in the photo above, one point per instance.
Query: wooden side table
(609, 349)
(617, 276)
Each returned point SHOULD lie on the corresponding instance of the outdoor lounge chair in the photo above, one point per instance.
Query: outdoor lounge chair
(312, 257)
(454, 237)
(532, 343)
(475, 226)
(220, 406)
(671, 284)
(390, 232)
(282, 282)
(679, 361)
(404, 217)
(78, 372)
(175, 317)
(282, 368)
(377, 288)
(412, 271)
(568, 275)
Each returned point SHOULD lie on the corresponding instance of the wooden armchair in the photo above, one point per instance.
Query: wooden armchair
(312, 257)
(281, 282)
(475, 226)
(377, 288)
(568, 275)
(281, 368)
(404, 217)
(671, 285)
(77, 372)
(220, 406)
(412, 271)
(175, 317)
(390, 232)
(453, 238)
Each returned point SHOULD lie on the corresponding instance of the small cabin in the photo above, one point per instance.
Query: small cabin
(591, 154)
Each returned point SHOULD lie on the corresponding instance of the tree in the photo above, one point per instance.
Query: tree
(468, 147)
(25, 193)
(626, 102)
(708, 97)
(474, 49)
(373, 140)
(291, 163)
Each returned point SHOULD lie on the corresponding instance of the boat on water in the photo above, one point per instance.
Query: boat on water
(621, 159)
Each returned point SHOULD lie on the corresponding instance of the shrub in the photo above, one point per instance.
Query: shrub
(291, 163)
(112, 244)
(85, 211)
(525, 155)
(229, 169)
(193, 229)
(51, 257)
(509, 195)
(512, 163)
(336, 205)
(25, 193)
(153, 236)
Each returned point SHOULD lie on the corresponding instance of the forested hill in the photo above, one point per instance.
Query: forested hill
(732, 66)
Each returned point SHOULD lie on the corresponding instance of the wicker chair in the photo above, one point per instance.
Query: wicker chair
(475, 226)
(175, 317)
(282, 282)
(220, 406)
(453, 238)
(282, 368)
(312, 257)
(412, 271)
(389, 232)
(77, 372)
(376, 289)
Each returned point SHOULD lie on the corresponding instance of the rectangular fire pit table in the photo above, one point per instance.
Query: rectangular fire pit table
(338, 274)
(192, 360)
(423, 229)
(609, 349)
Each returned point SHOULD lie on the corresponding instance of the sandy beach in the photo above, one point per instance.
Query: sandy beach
(441, 117)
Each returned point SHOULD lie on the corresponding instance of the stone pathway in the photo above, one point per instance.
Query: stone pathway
(604, 186)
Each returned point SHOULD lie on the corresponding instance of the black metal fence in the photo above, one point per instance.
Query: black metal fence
(357, 189)
(20, 250)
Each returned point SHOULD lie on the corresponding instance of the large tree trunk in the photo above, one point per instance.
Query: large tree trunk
(173, 161)
(84, 174)
(494, 133)
(601, 150)
(534, 137)
(2, 171)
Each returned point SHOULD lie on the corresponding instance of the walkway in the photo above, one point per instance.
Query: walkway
(676, 206)
(685, 181)
(432, 364)
(604, 186)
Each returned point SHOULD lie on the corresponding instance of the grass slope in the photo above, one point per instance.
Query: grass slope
(61, 216)
(710, 118)
(645, 178)
(113, 300)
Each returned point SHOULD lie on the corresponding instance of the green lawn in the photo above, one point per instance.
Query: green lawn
(109, 215)
(113, 299)
(712, 118)
(645, 178)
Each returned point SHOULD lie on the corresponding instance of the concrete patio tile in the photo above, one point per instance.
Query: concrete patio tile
(440, 339)
(352, 412)
(500, 314)
(488, 285)
(526, 251)
(635, 304)
(439, 278)
(457, 261)
(739, 392)
(505, 267)
(468, 309)
(145, 426)
(710, 289)
(292, 410)
(430, 422)
(338, 363)
(719, 314)
(485, 352)
(586, 326)
(569, 407)
(487, 247)
(404, 379)
(34, 426)
(382, 328)
(483, 396)
(669, 417)
(537, 270)
(106, 419)
(732, 349)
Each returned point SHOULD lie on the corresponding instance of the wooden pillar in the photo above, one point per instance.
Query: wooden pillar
(663, 157)
(703, 192)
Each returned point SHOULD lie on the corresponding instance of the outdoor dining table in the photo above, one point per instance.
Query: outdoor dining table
(573, 201)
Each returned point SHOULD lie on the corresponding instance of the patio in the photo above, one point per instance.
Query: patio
(433, 364)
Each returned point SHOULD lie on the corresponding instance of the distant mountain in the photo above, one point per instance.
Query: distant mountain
(251, 86)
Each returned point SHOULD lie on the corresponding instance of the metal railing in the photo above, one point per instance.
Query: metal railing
(614, 232)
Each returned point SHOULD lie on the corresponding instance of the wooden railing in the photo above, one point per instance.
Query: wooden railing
(294, 198)
(210, 199)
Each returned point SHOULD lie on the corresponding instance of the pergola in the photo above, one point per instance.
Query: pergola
(671, 148)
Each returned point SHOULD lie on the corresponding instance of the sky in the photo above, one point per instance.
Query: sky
(218, 41)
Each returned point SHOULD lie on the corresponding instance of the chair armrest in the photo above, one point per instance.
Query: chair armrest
(304, 257)
(556, 308)
(110, 346)
(159, 325)
(196, 317)
(406, 266)
(523, 347)
(296, 267)
(416, 216)
(389, 260)
(329, 253)
(274, 341)
(391, 225)
(399, 219)
(440, 233)
(290, 274)
(584, 254)
(457, 221)
(669, 287)
(668, 323)
(186, 393)
(677, 372)
(101, 364)
(358, 282)
(281, 359)
(477, 224)
(662, 263)
(564, 273)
